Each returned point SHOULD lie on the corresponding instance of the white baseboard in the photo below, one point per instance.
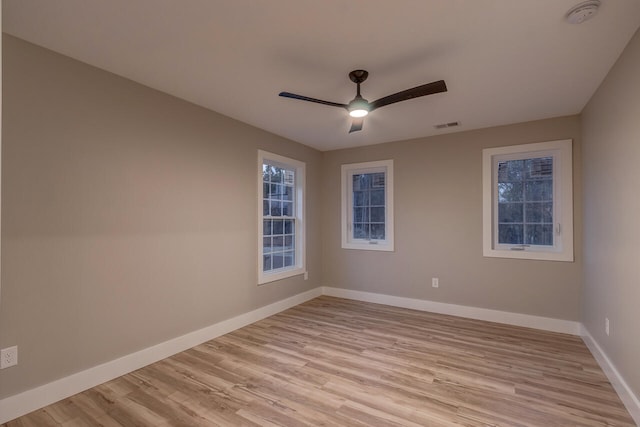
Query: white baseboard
(630, 400)
(15, 406)
(517, 319)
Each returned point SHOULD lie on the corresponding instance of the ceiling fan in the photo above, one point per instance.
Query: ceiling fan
(359, 107)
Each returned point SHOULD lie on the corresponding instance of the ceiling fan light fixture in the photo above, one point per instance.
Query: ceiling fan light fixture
(359, 107)
(361, 112)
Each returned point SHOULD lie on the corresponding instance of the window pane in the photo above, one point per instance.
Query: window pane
(289, 177)
(533, 212)
(289, 226)
(289, 259)
(276, 174)
(277, 193)
(512, 170)
(265, 207)
(377, 231)
(377, 180)
(510, 212)
(265, 190)
(288, 193)
(361, 231)
(288, 242)
(278, 260)
(510, 234)
(278, 243)
(266, 227)
(377, 197)
(287, 208)
(277, 226)
(377, 215)
(361, 182)
(266, 244)
(266, 263)
(276, 208)
(539, 212)
(547, 212)
(539, 235)
(539, 168)
(361, 198)
(539, 190)
(360, 214)
(510, 192)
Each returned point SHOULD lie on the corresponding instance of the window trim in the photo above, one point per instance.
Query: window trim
(348, 170)
(561, 150)
(299, 210)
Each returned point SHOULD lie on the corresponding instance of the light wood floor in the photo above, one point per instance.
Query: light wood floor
(336, 362)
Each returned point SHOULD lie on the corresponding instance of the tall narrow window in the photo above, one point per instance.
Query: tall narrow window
(367, 206)
(528, 203)
(281, 222)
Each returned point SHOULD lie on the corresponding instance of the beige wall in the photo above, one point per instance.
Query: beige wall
(611, 129)
(438, 227)
(129, 216)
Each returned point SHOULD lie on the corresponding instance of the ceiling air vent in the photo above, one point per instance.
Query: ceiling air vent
(447, 125)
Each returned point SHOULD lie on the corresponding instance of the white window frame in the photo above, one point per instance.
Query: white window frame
(299, 218)
(562, 249)
(348, 170)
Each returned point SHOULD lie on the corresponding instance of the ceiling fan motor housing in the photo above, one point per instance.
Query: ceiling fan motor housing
(358, 76)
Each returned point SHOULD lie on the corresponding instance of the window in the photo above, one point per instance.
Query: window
(367, 206)
(280, 217)
(528, 201)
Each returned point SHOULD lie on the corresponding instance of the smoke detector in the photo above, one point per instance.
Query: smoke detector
(583, 11)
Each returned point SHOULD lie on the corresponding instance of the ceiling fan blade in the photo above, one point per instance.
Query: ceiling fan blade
(356, 124)
(405, 95)
(306, 98)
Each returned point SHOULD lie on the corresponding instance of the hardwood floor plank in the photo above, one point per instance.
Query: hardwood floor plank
(337, 362)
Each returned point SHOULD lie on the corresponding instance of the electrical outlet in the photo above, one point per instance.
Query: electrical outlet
(606, 325)
(435, 282)
(8, 357)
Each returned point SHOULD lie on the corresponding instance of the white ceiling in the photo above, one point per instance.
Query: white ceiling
(504, 61)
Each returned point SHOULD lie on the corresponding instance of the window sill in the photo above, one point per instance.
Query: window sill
(533, 255)
(279, 275)
(385, 247)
